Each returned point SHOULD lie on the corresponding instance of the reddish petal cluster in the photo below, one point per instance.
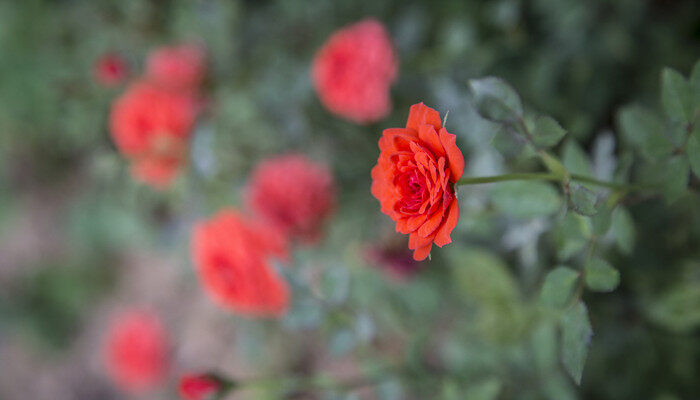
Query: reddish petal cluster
(294, 194)
(151, 126)
(152, 120)
(110, 70)
(136, 351)
(414, 179)
(198, 387)
(180, 67)
(353, 72)
(231, 256)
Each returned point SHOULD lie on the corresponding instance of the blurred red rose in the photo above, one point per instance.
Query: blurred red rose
(135, 351)
(150, 126)
(198, 387)
(293, 193)
(353, 71)
(231, 256)
(414, 179)
(110, 70)
(180, 67)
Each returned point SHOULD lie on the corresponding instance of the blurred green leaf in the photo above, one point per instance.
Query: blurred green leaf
(601, 276)
(486, 390)
(693, 150)
(676, 177)
(544, 345)
(623, 229)
(576, 337)
(558, 287)
(575, 159)
(695, 87)
(526, 199)
(571, 235)
(644, 130)
(496, 100)
(483, 276)
(583, 200)
(676, 96)
(677, 308)
(602, 220)
(547, 132)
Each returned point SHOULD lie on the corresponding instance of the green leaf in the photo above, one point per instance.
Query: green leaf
(495, 100)
(576, 337)
(547, 132)
(676, 178)
(583, 200)
(558, 287)
(486, 390)
(483, 276)
(677, 308)
(571, 235)
(644, 130)
(695, 87)
(544, 344)
(602, 219)
(526, 199)
(676, 96)
(601, 276)
(575, 159)
(623, 229)
(692, 149)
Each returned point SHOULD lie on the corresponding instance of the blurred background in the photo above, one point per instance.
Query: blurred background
(80, 239)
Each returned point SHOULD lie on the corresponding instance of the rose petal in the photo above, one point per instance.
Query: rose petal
(422, 253)
(430, 137)
(416, 241)
(420, 114)
(449, 222)
(454, 155)
(431, 224)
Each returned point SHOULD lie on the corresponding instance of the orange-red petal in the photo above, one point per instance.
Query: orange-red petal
(454, 155)
(442, 236)
(420, 114)
(422, 253)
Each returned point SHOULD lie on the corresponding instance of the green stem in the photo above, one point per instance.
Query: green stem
(545, 176)
(540, 176)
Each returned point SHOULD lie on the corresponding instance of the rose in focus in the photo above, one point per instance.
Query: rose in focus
(414, 179)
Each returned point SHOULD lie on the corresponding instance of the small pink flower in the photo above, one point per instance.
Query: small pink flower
(136, 351)
(353, 72)
(179, 67)
(110, 70)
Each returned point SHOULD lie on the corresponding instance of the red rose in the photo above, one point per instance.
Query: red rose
(135, 351)
(231, 256)
(198, 387)
(353, 71)
(293, 193)
(110, 70)
(151, 126)
(414, 179)
(180, 67)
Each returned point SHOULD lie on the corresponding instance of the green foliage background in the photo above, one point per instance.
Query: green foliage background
(491, 316)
